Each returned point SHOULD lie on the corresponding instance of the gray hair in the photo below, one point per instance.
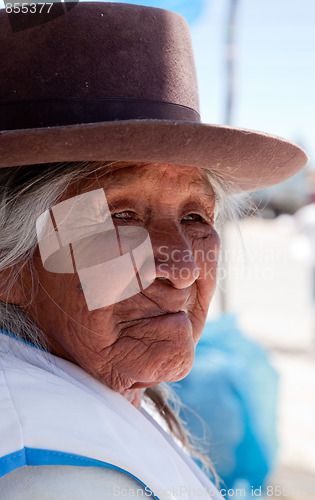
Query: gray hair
(28, 191)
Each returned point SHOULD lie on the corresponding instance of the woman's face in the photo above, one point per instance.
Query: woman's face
(151, 336)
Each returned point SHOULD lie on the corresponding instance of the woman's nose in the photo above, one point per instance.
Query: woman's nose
(174, 261)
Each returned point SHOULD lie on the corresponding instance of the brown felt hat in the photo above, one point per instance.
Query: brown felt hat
(108, 81)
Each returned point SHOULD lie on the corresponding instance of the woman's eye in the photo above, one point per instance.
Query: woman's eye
(126, 215)
(193, 218)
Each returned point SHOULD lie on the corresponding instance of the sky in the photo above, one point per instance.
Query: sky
(274, 63)
(275, 66)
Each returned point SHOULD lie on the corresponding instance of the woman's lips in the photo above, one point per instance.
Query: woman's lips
(154, 315)
(164, 313)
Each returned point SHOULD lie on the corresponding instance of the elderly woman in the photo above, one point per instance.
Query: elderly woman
(111, 189)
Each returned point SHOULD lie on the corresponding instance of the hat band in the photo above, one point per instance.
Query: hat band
(38, 113)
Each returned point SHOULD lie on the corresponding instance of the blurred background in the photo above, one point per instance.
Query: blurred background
(256, 364)
(254, 378)
(253, 381)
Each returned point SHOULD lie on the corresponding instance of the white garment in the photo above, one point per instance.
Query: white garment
(60, 482)
(54, 413)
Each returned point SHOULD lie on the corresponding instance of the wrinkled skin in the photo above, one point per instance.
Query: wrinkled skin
(150, 337)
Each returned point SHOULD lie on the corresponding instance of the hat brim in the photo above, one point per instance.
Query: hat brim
(249, 159)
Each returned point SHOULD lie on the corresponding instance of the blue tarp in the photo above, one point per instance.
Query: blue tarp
(233, 387)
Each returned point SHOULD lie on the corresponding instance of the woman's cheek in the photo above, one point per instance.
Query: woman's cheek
(206, 254)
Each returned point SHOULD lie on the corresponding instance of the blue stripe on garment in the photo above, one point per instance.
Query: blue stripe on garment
(37, 457)
(14, 336)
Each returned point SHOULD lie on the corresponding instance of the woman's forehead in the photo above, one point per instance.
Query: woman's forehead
(128, 177)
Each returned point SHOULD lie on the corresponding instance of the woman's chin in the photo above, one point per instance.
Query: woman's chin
(171, 351)
(163, 347)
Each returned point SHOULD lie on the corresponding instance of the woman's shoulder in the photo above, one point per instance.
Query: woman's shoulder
(74, 483)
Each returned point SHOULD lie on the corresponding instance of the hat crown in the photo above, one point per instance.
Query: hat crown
(108, 81)
(101, 50)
